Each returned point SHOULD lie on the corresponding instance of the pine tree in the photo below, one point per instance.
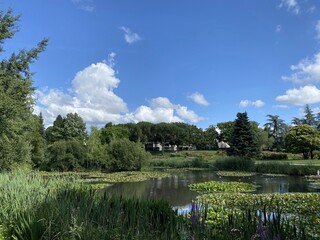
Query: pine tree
(16, 101)
(243, 142)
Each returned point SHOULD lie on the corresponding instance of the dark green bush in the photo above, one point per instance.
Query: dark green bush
(126, 155)
(274, 156)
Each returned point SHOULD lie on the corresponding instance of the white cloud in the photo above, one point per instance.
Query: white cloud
(161, 102)
(317, 28)
(86, 5)
(154, 115)
(92, 97)
(305, 72)
(278, 28)
(301, 96)
(247, 103)
(129, 36)
(189, 115)
(291, 5)
(162, 110)
(199, 99)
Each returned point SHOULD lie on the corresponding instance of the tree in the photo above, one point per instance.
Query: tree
(243, 141)
(65, 155)
(303, 139)
(226, 129)
(74, 127)
(70, 127)
(112, 132)
(309, 118)
(16, 100)
(96, 154)
(276, 129)
(37, 141)
(126, 155)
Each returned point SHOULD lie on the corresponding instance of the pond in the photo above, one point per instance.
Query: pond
(175, 188)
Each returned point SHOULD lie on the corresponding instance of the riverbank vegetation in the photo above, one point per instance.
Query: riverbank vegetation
(39, 206)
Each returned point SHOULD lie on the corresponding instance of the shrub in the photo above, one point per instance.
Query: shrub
(280, 168)
(234, 164)
(65, 155)
(274, 156)
(126, 155)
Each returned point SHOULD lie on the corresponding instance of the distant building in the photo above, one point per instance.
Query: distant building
(223, 145)
(153, 146)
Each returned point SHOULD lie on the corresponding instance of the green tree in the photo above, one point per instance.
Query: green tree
(37, 141)
(126, 155)
(309, 118)
(74, 127)
(226, 129)
(277, 130)
(112, 132)
(16, 100)
(65, 155)
(97, 155)
(243, 141)
(303, 139)
(56, 132)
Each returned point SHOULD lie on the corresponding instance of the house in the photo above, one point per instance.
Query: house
(153, 146)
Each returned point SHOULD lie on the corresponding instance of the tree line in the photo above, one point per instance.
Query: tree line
(25, 142)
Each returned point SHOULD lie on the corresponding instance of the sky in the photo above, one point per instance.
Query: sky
(198, 62)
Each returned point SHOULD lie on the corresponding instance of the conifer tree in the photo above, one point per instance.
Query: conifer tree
(243, 142)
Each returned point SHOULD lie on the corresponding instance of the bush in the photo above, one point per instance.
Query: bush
(234, 164)
(274, 156)
(65, 155)
(126, 155)
(280, 168)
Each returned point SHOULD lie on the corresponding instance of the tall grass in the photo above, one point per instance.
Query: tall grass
(282, 168)
(234, 164)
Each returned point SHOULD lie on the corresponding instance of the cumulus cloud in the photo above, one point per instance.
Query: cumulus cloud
(86, 5)
(129, 36)
(247, 103)
(291, 5)
(92, 97)
(161, 109)
(199, 99)
(301, 96)
(305, 72)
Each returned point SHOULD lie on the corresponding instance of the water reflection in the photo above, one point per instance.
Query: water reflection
(175, 188)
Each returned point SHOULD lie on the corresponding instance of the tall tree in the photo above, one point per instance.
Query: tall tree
(16, 100)
(276, 129)
(75, 127)
(243, 141)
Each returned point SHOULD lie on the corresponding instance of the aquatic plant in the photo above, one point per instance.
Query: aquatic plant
(216, 187)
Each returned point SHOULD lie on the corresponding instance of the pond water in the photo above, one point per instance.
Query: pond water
(175, 189)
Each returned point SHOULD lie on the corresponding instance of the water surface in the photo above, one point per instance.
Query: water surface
(175, 187)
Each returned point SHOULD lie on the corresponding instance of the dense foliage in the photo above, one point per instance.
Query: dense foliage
(16, 102)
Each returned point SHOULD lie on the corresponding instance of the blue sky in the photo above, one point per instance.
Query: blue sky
(200, 62)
